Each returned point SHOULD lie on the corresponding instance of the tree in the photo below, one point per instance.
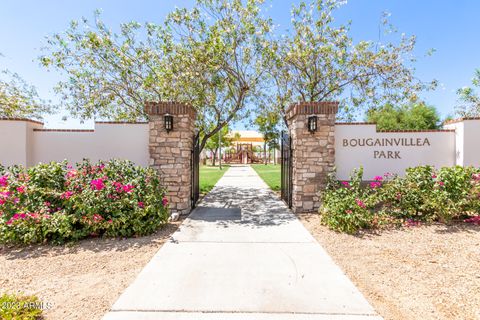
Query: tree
(319, 61)
(416, 116)
(267, 126)
(208, 57)
(19, 99)
(469, 100)
(214, 143)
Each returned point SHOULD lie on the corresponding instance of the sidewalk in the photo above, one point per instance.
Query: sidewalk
(241, 255)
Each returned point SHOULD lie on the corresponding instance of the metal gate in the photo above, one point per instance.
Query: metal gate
(286, 168)
(195, 170)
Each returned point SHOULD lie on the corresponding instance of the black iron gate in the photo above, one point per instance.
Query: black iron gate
(286, 168)
(195, 168)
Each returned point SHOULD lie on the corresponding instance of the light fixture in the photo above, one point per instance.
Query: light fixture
(168, 122)
(312, 124)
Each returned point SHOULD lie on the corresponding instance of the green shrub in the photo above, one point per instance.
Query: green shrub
(56, 203)
(423, 194)
(14, 307)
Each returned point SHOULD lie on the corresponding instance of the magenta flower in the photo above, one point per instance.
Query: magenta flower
(434, 176)
(164, 201)
(141, 204)
(21, 189)
(97, 184)
(441, 183)
(346, 184)
(2, 201)
(3, 181)
(5, 194)
(375, 184)
(360, 203)
(71, 173)
(378, 178)
(66, 195)
(128, 188)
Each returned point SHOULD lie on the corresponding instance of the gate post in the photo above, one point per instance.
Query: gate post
(171, 150)
(313, 153)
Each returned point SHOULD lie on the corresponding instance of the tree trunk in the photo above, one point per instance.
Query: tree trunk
(214, 157)
(265, 152)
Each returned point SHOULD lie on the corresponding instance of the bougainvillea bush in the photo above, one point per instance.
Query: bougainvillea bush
(423, 194)
(56, 202)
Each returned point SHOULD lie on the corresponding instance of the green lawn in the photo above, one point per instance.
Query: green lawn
(209, 176)
(270, 173)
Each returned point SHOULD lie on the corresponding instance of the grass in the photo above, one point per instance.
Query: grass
(270, 173)
(209, 176)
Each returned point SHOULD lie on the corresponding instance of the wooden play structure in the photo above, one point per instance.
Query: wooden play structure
(242, 153)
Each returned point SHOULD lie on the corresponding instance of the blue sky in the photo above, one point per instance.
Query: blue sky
(449, 27)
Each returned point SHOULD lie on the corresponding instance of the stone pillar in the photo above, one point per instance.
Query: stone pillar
(313, 153)
(170, 152)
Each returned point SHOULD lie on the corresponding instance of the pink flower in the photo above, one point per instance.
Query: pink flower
(474, 220)
(164, 201)
(441, 183)
(3, 181)
(2, 201)
(21, 189)
(476, 177)
(97, 217)
(9, 222)
(346, 184)
(375, 184)
(128, 188)
(66, 195)
(360, 203)
(5, 194)
(399, 196)
(434, 176)
(378, 178)
(16, 200)
(412, 223)
(110, 221)
(97, 184)
(72, 173)
(118, 186)
(348, 211)
(141, 204)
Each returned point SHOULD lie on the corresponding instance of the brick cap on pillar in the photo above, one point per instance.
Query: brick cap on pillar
(164, 107)
(321, 107)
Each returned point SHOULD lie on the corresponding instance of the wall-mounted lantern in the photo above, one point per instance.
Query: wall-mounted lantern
(168, 122)
(312, 124)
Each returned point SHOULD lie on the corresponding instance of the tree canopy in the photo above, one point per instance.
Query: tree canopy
(222, 56)
(208, 57)
(319, 61)
(469, 99)
(417, 116)
(18, 99)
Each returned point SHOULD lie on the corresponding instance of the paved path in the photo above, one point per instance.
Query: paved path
(241, 255)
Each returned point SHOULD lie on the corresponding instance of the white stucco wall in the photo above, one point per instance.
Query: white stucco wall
(26, 143)
(107, 141)
(13, 140)
(471, 143)
(377, 160)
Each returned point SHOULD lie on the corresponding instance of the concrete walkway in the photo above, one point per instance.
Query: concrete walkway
(241, 255)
